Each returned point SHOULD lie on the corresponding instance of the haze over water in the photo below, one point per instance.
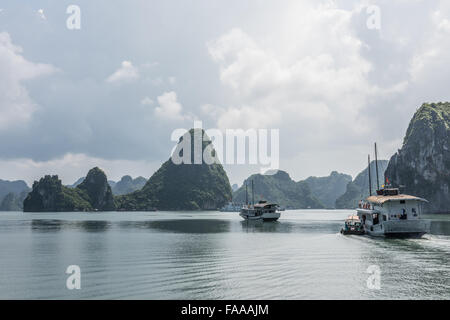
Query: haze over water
(213, 255)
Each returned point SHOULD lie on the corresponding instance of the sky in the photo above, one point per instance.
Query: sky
(332, 76)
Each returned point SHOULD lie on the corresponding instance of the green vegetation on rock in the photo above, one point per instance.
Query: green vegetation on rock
(49, 195)
(422, 166)
(183, 186)
(98, 190)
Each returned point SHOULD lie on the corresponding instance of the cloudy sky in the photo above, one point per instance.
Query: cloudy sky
(111, 93)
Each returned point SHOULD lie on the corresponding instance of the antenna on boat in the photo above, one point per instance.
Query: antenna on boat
(376, 165)
(370, 179)
(253, 194)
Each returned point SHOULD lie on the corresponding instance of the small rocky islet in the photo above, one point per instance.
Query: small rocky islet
(49, 195)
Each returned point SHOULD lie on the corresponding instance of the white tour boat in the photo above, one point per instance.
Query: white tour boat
(392, 214)
(262, 211)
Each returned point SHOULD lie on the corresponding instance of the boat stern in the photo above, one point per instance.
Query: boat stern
(406, 228)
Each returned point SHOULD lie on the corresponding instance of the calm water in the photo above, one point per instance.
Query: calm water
(214, 255)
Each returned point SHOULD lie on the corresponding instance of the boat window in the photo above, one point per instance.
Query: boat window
(402, 201)
(375, 218)
(384, 218)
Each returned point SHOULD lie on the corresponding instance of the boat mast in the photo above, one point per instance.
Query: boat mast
(246, 194)
(253, 194)
(370, 179)
(376, 165)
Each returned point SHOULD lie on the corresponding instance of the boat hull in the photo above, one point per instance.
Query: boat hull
(272, 216)
(270, 219)
(400, 229)
(352, 232)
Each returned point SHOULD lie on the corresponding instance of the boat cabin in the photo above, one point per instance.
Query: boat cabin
(264, 206)
(389, 206)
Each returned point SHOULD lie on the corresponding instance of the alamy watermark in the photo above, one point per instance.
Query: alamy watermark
(73, 22)
(374, 280)
(374, 20)
(74, 280)
(230, 146)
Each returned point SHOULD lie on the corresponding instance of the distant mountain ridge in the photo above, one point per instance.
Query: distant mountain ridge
(128, 185)
(328, 189)
(358, 189)
(12, 194)
(16, 187)
(281, 189)
(314, 192)
(13, 201)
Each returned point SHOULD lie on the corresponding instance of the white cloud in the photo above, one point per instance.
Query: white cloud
(157, 82)
(312, 80)
(149, 65)
(168, 107)
(441, 21)
(71, 167)
(126, 73)
(431, 60)
(16, 106)
(41, 14)
(310, 68)
(307, 75)
(147, 101)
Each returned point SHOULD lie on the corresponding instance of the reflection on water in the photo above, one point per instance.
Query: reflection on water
(168, 255)
(46, 225)
(94, 226)
(260, 226)
(440, 227)
(53, 225)
(290, 227)
(191, 226)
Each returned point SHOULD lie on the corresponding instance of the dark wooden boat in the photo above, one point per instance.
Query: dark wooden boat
(353, 226)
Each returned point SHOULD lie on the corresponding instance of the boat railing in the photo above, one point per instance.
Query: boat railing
(368, 211)
(365, 205)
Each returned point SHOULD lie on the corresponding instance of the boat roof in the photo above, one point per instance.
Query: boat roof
(264, 204)
(399, 197)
